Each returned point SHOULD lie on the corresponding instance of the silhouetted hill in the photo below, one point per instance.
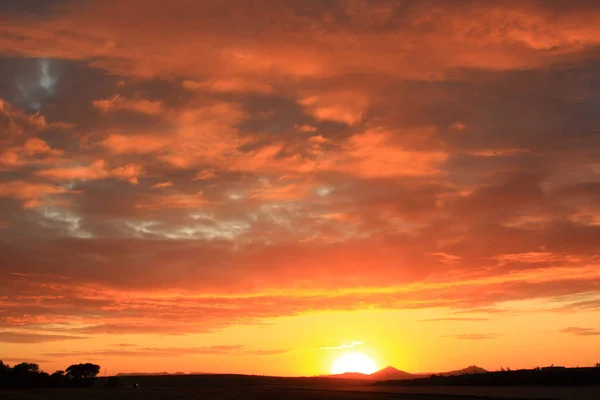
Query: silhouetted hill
(387, 373)
(473, 369)
(349, 375)
(526, 377)
(391, 373)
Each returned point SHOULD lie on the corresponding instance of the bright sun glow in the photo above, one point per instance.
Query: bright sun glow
(354, 362)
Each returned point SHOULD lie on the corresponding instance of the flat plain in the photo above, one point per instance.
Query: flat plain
(352, 392)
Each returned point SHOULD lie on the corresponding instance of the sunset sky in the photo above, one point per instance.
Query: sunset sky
(263, 186)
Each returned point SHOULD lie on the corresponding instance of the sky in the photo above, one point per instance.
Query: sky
(263, 186)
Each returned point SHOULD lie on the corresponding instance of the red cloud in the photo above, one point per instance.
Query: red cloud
(511, 35)
(31, 194)
(18, 122)
(139, 143)
(139, 105)
(33, 151)
(161, 185)
(230, 86)
(346, 107)
(94, 171)
(373, 154)
(191, 201)
(195, 135)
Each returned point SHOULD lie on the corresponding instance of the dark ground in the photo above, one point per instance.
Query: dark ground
(353, 392)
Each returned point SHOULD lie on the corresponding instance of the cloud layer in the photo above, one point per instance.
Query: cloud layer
(208, 164)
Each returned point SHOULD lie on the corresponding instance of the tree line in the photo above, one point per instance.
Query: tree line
(28, 375)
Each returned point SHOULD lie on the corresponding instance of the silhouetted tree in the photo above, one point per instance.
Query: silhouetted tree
(28, 375)
(58, 379)
(25, 375)
(26, 368)
(5, 372)
(4, 368)
(82, 375)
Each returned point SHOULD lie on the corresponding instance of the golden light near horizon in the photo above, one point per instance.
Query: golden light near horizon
(354, 362)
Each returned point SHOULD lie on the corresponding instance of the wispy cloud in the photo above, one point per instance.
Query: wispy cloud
(348, 345)
(25, 337)
(455, 319)
(474, 336)
(234, 350)
(581, 331)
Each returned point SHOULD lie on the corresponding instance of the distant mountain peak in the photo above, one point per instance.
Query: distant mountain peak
(389, 368)
(391, 373)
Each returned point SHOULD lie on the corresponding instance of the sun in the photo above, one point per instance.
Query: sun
(354, 362)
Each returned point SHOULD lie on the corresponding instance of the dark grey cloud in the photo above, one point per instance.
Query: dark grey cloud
(31, 8)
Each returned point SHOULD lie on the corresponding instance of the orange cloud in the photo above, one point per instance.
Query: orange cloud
(305, 128)
(35, 146)
(345, 107)
(450, 35)
(18, 121)
(458, 126)
(31, 194)
(196, 135)
(280, 191)
(24, 337)
(581, 331)
(497, 152)
(230, 86)
(94, 171)
(196, 200)
(537, 257)
(124, 311)
(161, 185)
(34, 150)
(373, 154)
(474, 336)
(139, 105)
(232, 350)
(138, 143)
(206, 174)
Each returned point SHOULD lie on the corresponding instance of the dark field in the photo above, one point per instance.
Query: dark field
(308, 391)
